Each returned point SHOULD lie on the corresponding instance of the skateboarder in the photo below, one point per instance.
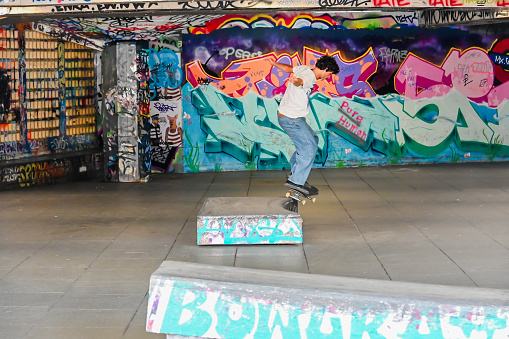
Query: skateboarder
(292, 112)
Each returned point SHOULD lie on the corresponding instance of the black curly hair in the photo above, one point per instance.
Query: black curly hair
(328, 64)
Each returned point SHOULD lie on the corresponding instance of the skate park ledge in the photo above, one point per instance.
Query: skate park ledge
(207, 301)
(247, 220)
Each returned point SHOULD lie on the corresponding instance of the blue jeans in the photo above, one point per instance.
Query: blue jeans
(306, 146)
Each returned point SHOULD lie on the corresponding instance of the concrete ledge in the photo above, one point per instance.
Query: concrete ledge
(207, 301)
(50, 168)
(245, 220)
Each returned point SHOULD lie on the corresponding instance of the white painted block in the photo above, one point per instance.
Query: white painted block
(246, 220)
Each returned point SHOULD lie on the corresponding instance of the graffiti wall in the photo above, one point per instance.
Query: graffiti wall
(45, 172)
(232, 302)
(166, 76)
(331, 20)
(47, 95)
(401, 96)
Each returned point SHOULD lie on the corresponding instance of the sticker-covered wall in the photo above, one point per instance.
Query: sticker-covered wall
(402, 96)
(48, 110)
(47, 95)
(166, 76)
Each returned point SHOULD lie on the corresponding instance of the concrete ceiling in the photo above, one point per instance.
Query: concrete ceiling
(95, 23)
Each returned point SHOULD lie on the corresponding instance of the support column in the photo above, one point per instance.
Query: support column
(123, 161)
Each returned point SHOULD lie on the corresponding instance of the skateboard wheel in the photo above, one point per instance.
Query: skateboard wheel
(313, 200)
(287, 194)
(303, 202)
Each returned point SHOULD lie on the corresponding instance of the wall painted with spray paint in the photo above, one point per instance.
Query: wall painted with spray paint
(166, 76)
(209, 301)
(48, 107)
(402, 96)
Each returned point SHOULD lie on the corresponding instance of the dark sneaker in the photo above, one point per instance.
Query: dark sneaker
(298, 188)
(312, 189)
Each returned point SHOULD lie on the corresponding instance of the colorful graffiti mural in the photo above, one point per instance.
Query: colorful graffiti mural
(166, 78)
(406, 95)
(101, 30)
(45, 172)
(46, 107)
(411, 95)
(332, 20)
(275, 308)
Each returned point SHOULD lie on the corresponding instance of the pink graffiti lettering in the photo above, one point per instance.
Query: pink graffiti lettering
(350, 111)
(470, 72)
(343, 121)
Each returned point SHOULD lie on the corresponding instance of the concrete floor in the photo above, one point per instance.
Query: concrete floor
(76, 258)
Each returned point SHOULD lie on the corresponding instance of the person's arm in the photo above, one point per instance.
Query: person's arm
(284, 67)
(288, 69)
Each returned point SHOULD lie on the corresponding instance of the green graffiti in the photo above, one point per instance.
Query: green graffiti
(394, 149)
(401, 129)
(192, 160)
(455, 157)
(495, 145)
(339, 161)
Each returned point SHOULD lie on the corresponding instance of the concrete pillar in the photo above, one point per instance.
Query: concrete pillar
(123, 155)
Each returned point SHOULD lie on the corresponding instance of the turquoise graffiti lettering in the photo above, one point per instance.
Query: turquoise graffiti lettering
(263, 232)
(165, 71)
(246, 128)
(196, 309)
(189, 311)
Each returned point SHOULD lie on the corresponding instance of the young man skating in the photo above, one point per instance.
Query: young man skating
(292, 113)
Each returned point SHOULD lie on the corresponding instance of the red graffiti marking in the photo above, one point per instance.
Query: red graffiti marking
(445, 3)
(391, 3)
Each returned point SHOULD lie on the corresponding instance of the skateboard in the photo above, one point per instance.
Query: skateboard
(298, 196)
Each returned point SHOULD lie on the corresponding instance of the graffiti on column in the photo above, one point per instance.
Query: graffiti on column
(127, 147)
(172, 42)
(166, 78)
(110, 137)
(169, 120)
(62, 86)
(144, 109)
(165, 74)
(127, 110)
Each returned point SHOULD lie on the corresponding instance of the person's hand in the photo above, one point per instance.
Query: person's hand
(271, 61)
(294, 80)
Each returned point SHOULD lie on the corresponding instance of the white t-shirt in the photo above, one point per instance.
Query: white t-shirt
(295, 102)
